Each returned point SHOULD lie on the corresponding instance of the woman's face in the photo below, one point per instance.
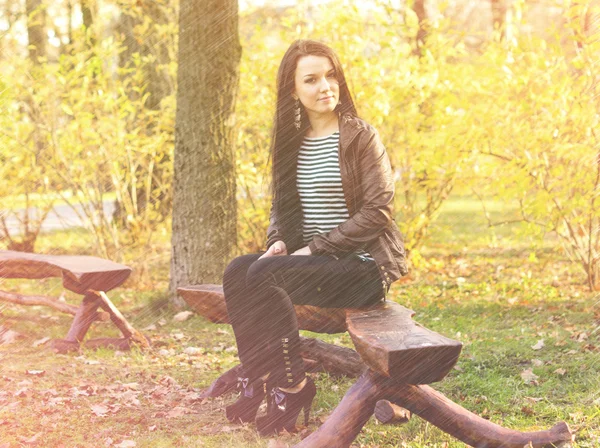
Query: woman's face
(316, 85)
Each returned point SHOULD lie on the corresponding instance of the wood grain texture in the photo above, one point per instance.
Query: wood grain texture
(32, 300)
(390, 413)
(471, 429)
(122, 324)
(345, 422)
(209, 301)
(392, 344)
(79, 272)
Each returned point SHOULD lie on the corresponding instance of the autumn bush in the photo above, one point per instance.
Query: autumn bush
(515, 120)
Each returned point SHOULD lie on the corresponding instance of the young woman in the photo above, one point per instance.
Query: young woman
(332, 239)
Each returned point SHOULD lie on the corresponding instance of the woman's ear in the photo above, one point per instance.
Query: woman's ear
(294, 96)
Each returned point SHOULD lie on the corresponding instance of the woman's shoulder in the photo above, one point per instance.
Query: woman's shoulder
(358, 124)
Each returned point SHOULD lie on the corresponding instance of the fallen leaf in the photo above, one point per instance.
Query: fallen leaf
(178, 336)
(539, 345)
(150, 327)
(529, 377)
(274, 443)
(21, 392)
(162, 322)
(40, 342)
(31, 440)
(182, 316)
(167, 380)
(8, 336)
(152, 428)
(176, 412)
(100, 410)
(537, 363)
(581, 337)
(560, 372)
(126, 444)
(192, 350)
(91, 362)
(527, 410)
(36, 372)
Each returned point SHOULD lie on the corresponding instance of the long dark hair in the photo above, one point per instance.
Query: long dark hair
(286, 139)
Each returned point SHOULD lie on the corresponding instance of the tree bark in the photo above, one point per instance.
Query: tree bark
(147, 40)
(204, 203)
(36, 29)
(419, 9)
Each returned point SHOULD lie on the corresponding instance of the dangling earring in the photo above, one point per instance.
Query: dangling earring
(297, 118)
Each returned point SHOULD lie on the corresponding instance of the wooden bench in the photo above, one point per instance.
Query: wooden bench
(395, 359)
(91, 277)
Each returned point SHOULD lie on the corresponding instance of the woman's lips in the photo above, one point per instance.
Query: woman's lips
(326, 98)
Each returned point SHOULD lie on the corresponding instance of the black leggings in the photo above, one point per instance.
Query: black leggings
(260, 295)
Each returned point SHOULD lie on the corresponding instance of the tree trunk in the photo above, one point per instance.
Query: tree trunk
(204, 203)
(36, 29)
(147, 42)
(88, 11)
(419, 8)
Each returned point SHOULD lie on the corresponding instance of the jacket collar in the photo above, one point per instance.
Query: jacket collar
(349, 127)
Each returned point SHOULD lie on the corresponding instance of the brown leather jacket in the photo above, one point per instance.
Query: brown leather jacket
(368, 185)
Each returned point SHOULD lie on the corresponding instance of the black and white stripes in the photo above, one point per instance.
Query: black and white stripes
(319, 184)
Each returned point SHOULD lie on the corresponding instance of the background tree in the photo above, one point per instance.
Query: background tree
(204, 202)
(36, 29)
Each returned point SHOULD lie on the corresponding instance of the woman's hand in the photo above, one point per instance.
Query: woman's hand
(277, 248)
(304, 251)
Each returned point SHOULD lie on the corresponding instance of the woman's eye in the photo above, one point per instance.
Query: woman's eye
(331, 75)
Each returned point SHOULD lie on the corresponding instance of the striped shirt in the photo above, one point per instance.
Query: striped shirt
(319, 184)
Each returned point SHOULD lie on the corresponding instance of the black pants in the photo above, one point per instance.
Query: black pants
(260, 295)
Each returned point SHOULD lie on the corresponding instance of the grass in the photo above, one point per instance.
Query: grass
(498, 292)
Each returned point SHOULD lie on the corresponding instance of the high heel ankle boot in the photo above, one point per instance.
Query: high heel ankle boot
(283, 409)
(251, 396)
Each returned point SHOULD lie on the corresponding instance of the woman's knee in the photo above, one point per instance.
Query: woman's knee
(261, 271)
(237, 268)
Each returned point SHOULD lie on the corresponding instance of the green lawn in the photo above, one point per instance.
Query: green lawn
(497, 291)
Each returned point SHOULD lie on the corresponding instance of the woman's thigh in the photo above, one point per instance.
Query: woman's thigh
(321, 280)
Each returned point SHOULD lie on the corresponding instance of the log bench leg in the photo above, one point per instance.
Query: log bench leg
(85, 315)
(348, 418)
(471, 429)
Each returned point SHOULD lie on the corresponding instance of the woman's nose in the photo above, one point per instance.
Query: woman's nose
(324, 85)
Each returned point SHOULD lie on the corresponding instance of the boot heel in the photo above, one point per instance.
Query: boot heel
(307, 414)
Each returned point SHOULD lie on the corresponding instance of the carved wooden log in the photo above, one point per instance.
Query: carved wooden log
(335, 360)
(390, 413)
(85, 316)
(391, 343)
(79, 273)
(122, 324)
(471, 429)
(32, 300)
(209, 301)
(346, 421)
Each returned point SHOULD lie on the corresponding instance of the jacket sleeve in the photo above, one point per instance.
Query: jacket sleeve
(375, 214)
(274, 230)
